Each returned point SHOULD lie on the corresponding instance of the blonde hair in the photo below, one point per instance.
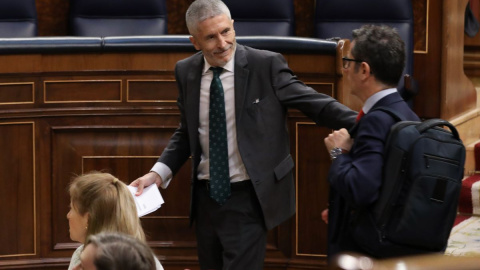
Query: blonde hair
(108, 202)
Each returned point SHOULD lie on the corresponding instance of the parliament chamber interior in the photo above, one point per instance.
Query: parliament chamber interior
(86, 85)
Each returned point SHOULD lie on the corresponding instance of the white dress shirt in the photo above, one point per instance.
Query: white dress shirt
(376, 97)
(236, 166)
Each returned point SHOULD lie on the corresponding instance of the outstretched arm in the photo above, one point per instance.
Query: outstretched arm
(145, 181)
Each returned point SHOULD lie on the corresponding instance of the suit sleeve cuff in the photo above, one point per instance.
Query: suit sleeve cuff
(164, 172)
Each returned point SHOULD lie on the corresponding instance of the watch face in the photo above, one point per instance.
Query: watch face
(335, 152)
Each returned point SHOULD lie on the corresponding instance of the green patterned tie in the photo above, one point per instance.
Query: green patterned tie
(219, 171)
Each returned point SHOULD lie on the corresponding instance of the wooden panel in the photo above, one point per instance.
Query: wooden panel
(128, 153)
(176, 16)
(173, 216)
(458, 94)
(444, 90)
(15, 63)
(475, 40)
(81, 91)
(312, 163)
(304, 17)
(17, 93)
(152, 91)
(427, 67)
(81, 129)
(52, 16)
(324, 88)
(18, 232)
(420, 25)
(83, 62)
(304, 63)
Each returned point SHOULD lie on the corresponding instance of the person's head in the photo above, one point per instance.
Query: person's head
(379, 53)
(211, 28)
(115, 251)
(99, 202)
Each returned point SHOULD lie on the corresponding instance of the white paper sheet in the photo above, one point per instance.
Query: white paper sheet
(149, 201)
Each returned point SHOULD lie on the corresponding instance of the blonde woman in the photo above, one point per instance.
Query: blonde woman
(99, 202)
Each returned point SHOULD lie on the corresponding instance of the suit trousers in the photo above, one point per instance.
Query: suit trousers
(232, 236)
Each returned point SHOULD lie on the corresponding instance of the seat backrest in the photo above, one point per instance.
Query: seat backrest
(337, 19)
(18, 18)
(262, 17)
(118, 17)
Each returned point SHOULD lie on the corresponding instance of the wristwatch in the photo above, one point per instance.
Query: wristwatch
(336, 151)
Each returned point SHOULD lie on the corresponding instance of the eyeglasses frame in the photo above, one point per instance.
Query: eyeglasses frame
(349, 60)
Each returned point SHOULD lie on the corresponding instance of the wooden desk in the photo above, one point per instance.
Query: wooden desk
(68, 110)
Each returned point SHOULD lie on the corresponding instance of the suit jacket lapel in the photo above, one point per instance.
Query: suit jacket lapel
(240, 81)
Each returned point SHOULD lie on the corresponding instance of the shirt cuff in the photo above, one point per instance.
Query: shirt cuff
(164, 172)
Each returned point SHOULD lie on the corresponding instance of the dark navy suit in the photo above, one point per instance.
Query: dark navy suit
(355, 178)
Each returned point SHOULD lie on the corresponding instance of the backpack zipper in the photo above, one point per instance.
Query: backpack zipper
(442, 159)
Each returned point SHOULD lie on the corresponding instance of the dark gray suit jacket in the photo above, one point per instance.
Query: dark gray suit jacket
(262, 132)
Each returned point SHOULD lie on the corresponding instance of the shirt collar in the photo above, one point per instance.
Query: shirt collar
(228, 66)
(376, 97)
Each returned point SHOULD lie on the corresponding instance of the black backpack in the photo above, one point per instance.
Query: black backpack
(417, 206)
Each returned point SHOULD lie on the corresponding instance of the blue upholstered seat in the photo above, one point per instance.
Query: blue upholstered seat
(262, 17)
(18, 18)
(118, 17)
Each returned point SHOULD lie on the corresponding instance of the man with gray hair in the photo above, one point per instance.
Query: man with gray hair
(242, 168)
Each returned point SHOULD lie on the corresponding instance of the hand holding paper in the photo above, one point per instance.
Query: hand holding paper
(149, 201)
